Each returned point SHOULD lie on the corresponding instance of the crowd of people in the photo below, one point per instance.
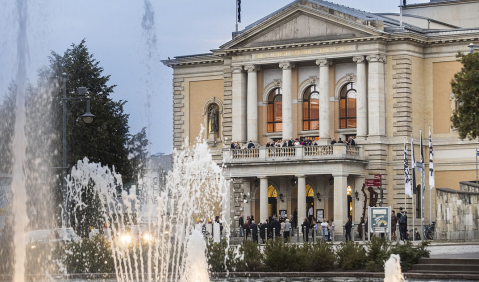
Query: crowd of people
(308, 141)
(284, 227)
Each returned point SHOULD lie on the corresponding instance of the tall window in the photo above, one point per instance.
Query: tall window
(275, 111)
(311, 108)
(347, 106)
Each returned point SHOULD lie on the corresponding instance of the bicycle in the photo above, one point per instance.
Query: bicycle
(429, 231)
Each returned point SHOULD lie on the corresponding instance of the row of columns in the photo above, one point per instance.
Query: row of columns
(340, 198)
(370, 100)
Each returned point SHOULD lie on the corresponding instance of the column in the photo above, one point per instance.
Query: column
(239, 104)
(252, 103)
(283, 189)
(340, 202)
(376, 95)
(358, 205)
(324, 126)
(361, 98)
(301, 198)
(287, 105)
(263, 199)
(228, 203)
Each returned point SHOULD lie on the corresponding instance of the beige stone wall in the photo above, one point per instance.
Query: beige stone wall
(451, 178)
(458, 13)
(443, 72)
(200, 92)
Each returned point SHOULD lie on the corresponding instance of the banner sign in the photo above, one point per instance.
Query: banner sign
(379, 220)
(373, 182)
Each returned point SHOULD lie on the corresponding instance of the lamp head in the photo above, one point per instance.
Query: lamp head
(87, 117)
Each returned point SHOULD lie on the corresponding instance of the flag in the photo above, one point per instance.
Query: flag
(238, 7)
(422, 151)
(431, 169)
(413, 163)
(407, 179)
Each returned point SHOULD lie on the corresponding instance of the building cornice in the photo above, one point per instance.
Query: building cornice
(442, 3)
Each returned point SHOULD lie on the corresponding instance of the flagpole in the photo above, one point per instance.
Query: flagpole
(413, 157)
(422, 187)
(430, 173)
(405, 200)
(236, 11)
(476, 165)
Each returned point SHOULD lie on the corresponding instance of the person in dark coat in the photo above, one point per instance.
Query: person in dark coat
(233, 145)
(246, 227)
(262, 231)
(333, 141)
(360, 227)
(351, 141)
(291, 142)
(348, 227)
(276, 227)
(305, 229)
(250, 145)
(295, 218)
(394, 222)
(340, 141)
(254, 231)
(241, 224)
(402, 217)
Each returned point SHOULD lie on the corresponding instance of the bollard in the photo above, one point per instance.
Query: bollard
(297, 235)
(244, 234)
(344, 232)
(352, 230)
(274, 233)
(364, 233)
(266, 234)
(397, 231)
(332, 234)
(304, 233)
(315, 235)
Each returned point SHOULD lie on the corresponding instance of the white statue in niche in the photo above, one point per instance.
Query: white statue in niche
(213, 117)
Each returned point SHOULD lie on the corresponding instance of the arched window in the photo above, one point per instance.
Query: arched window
(309, 191)
(275, 111)
(347, 106)
(311, 108)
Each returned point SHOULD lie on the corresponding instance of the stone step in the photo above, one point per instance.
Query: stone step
(444, 272)
(448, 261)
(445, 267)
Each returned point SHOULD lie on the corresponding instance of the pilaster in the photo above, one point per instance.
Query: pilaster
(287, 104)
(178, 112)
(376, 96)
(324, 123)
(252, 103)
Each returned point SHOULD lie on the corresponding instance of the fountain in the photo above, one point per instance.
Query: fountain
(392, 269)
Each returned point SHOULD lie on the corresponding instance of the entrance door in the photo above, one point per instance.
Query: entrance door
(272, 202)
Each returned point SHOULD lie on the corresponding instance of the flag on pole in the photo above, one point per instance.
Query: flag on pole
(413, 164)
(407, 179)
(238, 10)
(422, 151)
(431, 165)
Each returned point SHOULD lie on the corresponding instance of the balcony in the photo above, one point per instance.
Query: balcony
(338, 152)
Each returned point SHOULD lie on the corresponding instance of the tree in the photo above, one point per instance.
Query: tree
(137, 154)
(465, 87)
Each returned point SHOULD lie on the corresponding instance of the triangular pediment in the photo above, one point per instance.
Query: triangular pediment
(302, 23)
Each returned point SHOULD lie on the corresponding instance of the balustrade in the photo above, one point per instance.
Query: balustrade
(352, 151)
(245, 154)
(312, 151)
(281, 152)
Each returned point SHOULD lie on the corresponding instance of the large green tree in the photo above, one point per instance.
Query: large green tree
(465, 86)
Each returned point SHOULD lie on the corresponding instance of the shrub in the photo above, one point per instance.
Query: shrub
(350, 255)
(249, 257)
(322, 256)
(278, 255)
(217, 259)
(377, 253)
(409, 254)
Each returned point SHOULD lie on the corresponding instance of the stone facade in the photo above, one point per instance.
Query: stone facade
(458, 213)
(402, 77)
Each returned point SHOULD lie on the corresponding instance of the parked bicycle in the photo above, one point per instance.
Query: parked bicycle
(409, 233)
(429, 231)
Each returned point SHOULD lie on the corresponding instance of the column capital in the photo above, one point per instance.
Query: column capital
(286, 65)
(324, 62)
(251, 68)
(359, 59)
(376, 58)
(237, 69)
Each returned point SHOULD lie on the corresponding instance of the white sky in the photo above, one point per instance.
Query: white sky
(113, 33)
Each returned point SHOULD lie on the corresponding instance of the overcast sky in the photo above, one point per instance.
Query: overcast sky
(114, 34)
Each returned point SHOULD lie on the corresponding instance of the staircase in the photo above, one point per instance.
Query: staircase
(445, 267)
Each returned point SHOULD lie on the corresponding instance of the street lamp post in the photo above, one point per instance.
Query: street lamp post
(472, 47)
(87, 118)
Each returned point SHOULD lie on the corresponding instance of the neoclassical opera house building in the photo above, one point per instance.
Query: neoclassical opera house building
(319, 70)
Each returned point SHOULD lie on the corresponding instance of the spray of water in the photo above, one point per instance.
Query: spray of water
(160, 244)
(19, 147)
(392, 269)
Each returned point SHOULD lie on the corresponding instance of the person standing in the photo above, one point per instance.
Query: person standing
(241, 224)
(348, 227)
(305, 230)
(254, 231)
(262, 231)
(276, 227)
(333, 141)
(324, 229)
(290, 142)
(250, 145)
(295, 218)
(287, 230)
(360, 227)
(233, 145)
(314, 229)
(351, 141)
(310, 214)
(394, 221)
(402, 224)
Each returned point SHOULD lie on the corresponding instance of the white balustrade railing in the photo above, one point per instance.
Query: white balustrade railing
(313, 151)
(281, 152)
(245, 154)
(352, 151)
